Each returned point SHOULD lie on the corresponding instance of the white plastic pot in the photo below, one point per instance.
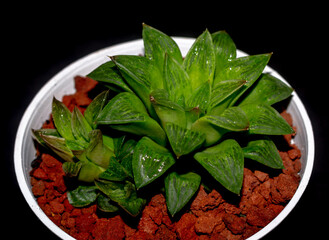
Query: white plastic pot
(39, 109)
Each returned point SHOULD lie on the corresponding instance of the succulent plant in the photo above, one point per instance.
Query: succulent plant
(168, 110)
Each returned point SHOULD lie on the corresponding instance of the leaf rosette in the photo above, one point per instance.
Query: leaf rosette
(168, 109)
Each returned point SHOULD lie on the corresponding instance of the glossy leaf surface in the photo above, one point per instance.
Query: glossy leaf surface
(267, 90)
(199, 62)
(233, 119)
(180, 189)
(167, 110)
(95, 107)
(264, 119)
(82, 196)
(225, 49)
(110, 76)
(150, 161)
(62, 119)
(182, 140)
(176, 81)
(225, 163)
(265, 152)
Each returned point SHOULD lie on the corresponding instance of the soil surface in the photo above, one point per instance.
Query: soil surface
(213, 214)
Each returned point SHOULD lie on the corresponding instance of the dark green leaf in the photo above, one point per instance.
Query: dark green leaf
(124, 153)
(116, 191)
(82, 196)
(182, 140)
(264, 119)
(95, 107)
(62, 119)
(200, 62)
(150, 161)
(267, 90)
(180, 189)
(133, 205)
(109, 74)
(115, 171)
(265, 152)
(104, 204)
(233, 119)
(225, 163)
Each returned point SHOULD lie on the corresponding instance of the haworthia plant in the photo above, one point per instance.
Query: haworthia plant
(167, 111)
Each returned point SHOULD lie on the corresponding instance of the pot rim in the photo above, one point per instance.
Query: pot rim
(182, 42)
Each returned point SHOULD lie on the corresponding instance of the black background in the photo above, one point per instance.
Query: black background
(39, 41)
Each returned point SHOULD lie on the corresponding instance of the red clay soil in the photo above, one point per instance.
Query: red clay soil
(209, 216)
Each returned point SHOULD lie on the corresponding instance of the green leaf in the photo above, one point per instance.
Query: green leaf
(58, 145)
(211, 132)
(200, 62)
(104, 204)
(233, 119)
(123, 108)
(180, 189)
(265, 152)
(264, 119)
(247, 68)
(224, 89)
(225, 163)
(182, 140)
(115, 171)
(96, 151)
(82, 196)
(89, 171)
(80, 126)
(150, 161)
(167, 110)
(157, 44)
(95, 107)
(225, 48)
(36, 134)
(200, 98)
(124, 153)
(62, 119)
(133, 205)
(125, 112)
(122, 193)
(176, 81)
(72, 169)
(116, 191)
(267, 90)
(110, 76)
(136, 71)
